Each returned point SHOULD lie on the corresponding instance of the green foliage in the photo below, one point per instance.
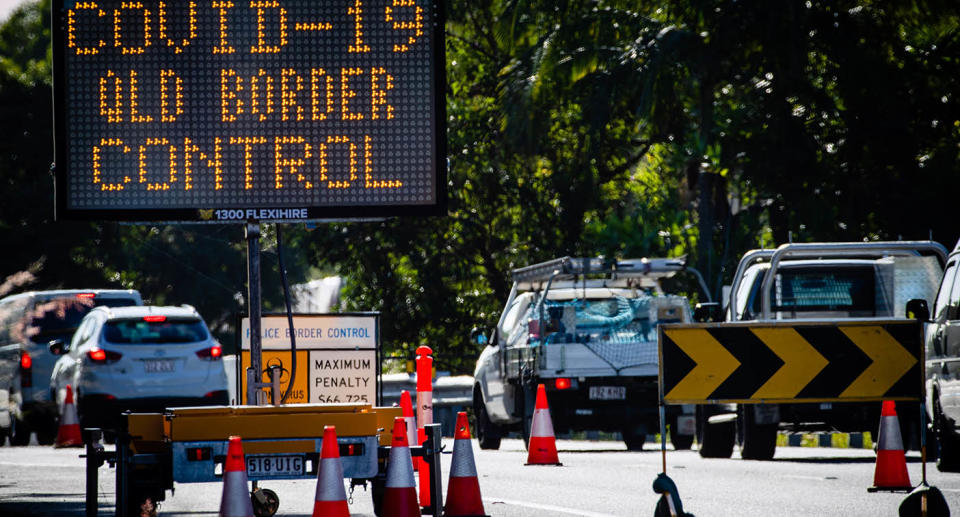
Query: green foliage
(576, 127)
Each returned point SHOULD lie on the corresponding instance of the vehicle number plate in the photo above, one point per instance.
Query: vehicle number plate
(608, 392)
(271, 466)
(158, 365)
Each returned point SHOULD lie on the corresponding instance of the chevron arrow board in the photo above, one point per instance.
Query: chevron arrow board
(791, 362)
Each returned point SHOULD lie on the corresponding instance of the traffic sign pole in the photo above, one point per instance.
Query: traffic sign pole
(255, 382)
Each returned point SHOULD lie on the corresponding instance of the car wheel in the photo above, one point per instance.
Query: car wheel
(948, 458)
(758, 441)
(488, 434)
(634, 437)
(716, 440)
(19, 433)
(680, 442)
(47, 433)
(529, 404)
(525, 430)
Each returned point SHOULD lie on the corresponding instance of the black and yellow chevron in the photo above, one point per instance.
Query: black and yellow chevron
(791, 362)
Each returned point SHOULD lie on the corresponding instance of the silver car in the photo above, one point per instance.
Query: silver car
(29, 323)
(142, 359)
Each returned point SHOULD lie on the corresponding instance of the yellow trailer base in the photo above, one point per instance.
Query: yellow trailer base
(189, 445)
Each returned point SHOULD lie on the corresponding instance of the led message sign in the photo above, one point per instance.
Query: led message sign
(229, 110)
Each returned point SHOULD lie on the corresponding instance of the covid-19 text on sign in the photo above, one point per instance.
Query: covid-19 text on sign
(226, 110)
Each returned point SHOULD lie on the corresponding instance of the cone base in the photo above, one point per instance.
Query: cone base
(463, 498)
(400, 502)
(542, 450)
(890, 489)
(891, 472)
(331, 509)
(68, 437)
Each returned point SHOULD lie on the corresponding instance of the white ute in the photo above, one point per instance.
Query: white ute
(586, 328)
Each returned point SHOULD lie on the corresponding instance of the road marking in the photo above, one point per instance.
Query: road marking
(815, 478)
(548, 507)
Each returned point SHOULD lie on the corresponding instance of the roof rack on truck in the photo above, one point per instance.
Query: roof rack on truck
(833, 250)
(641, 272)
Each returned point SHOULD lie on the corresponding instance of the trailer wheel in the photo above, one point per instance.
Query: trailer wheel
(141, 504)
(266, 504)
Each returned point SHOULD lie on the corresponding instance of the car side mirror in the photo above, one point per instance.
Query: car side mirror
(56, 346)
(478, 337)
(917, 309)
(706, 312)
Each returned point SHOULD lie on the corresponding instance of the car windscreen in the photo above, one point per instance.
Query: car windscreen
(850, 289)
(139, 331)
(614, 319)
(59, 317)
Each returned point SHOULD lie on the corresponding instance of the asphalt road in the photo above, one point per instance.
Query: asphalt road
(597, 479)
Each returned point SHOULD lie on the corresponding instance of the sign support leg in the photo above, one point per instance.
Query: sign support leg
(254, 382)
(663, 435)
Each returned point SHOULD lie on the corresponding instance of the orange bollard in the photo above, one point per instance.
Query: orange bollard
(424, 412)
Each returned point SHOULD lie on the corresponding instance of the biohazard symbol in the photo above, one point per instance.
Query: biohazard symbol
(276, 362)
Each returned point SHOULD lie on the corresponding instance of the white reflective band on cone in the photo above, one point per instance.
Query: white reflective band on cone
(69, 416)
(330, 486)
(411, 429)
(890, 439)
(397, 475)
(236, 495)
(463, 465)
(542, 425)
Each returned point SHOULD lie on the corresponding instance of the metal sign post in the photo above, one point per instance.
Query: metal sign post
(254, 384)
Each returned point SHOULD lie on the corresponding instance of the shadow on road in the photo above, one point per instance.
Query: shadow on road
(47, 509)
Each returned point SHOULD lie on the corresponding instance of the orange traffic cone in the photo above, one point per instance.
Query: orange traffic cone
(400, 493)
(891, 471)
(235, 501)
(406, 406)
(463, 490)
(331, 498)
(542, 449)
(68, 434)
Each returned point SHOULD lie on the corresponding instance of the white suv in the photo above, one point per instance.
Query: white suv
(942, 340)
(142, 359)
